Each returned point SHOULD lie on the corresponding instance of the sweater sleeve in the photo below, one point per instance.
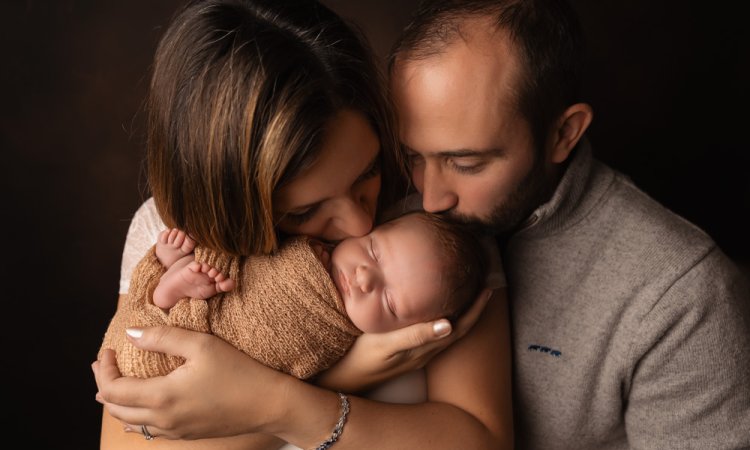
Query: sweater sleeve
(690, 387)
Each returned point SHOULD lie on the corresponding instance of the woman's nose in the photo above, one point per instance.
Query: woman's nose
(354, 218)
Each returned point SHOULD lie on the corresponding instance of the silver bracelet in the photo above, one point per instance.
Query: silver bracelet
(339, 428)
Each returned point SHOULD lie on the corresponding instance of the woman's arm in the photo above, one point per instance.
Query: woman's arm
(475, 373)
(113, 437)
(469, 393)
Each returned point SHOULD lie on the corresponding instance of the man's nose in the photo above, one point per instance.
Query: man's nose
(437, 193)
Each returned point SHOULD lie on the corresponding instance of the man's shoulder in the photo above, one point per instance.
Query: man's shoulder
(637, 237)
(632, 215)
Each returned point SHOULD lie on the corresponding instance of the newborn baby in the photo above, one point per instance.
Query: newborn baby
(300, 309)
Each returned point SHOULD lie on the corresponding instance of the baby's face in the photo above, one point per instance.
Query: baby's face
(391, 277)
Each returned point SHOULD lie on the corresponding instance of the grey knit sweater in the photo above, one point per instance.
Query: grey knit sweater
(631, 328)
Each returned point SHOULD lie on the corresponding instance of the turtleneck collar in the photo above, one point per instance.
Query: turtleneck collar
(584, 182)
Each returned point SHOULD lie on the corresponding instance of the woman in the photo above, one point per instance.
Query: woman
(279, 111)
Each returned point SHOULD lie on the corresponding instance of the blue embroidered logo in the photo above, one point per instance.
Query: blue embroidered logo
(547, 350)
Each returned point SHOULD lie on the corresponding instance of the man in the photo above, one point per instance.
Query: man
(630, 326)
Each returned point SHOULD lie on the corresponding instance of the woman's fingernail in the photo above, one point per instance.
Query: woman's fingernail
(127, 429)
(134, 332)
(99, 398)
(441, 328)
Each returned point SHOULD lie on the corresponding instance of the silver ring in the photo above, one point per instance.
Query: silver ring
(146, 434)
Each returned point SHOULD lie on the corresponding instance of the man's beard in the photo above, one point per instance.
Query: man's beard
(533, 190)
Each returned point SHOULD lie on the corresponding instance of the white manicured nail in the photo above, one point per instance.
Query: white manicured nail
(441, 328)
(134, 332)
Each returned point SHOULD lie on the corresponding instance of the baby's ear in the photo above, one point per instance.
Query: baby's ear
(568, 130)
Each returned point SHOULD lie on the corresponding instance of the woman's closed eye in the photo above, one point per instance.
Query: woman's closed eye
(372, 171)
(300, 217)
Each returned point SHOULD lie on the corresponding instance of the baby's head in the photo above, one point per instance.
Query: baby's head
(412, 269)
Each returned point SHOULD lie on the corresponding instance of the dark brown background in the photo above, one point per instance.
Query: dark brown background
(668, 81)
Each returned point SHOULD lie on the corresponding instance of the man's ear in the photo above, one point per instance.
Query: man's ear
(568, 130)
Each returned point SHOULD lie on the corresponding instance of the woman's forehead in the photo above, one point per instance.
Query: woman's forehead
(348, 150)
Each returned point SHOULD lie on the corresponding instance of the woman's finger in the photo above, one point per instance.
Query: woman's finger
(130, 416)
(152, 431)
(123, 391)
(113, 425)
(423, 344)
(170, 340)
(416, 335)
(431, 335)
(105, 368)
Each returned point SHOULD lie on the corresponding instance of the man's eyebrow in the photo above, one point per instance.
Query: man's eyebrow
(461, 152)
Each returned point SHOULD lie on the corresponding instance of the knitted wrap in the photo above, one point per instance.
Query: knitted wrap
(285, 312)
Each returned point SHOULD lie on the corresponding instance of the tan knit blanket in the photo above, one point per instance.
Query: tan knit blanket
(285, 312)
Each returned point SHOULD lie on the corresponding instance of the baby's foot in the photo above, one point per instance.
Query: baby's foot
(189, 278)
(172, 245)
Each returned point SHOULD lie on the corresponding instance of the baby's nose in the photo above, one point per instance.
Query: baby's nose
(365, 279)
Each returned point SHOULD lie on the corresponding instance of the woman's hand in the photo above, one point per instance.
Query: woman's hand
(377, 357)
(206, 397)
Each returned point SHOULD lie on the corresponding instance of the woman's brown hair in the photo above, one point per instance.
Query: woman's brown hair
(240, 94)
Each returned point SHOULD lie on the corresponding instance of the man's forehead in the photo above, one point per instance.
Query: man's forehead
(479, 31)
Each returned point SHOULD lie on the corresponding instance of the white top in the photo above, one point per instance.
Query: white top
(142, 234)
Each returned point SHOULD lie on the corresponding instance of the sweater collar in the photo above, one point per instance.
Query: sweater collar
(578, 191)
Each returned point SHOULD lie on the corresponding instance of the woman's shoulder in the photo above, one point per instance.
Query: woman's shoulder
(146, 223)
(147, 213)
